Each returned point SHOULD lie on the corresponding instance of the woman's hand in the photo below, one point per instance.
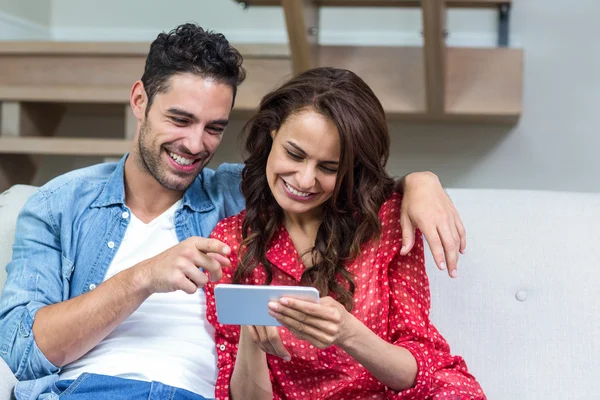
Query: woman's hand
(267, 339)
(322, 325)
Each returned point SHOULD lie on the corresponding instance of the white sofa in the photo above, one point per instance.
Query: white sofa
(525, 309)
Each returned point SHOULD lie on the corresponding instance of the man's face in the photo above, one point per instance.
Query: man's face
(183, 129)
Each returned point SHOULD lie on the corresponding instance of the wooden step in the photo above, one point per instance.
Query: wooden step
(64, 146)
(65, 72)
(483, 84)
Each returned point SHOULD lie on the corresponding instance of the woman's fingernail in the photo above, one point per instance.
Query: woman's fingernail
(287, 359)
(454, 273)
(272, 305)
(443, 265)
(283, 301)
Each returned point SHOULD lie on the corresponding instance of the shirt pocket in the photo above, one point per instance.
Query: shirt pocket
(8, 337)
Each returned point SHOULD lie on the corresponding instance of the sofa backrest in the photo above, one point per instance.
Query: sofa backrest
(525, 309)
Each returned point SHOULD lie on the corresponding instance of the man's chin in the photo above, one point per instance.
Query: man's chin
(177, 184)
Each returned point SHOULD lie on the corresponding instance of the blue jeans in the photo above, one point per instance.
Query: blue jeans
(103, 387)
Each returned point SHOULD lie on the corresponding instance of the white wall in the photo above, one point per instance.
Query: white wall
(25, 19)
(554, 146)
(556, 143)
(136, 20)
(37, 11)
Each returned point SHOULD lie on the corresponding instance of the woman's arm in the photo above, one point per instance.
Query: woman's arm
(391, 365)
(241, 351)
(250, 378)
(328, 323)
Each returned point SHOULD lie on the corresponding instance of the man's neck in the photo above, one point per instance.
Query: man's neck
(144, 195)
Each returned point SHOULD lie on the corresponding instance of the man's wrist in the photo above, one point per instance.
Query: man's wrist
(136, 280)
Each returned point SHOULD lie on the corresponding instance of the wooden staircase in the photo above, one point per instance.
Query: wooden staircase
(432, 83)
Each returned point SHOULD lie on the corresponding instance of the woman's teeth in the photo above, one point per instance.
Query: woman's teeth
(181, 160)
(295, 192)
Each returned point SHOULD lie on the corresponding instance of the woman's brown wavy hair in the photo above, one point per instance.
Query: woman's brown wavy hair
(350, 216)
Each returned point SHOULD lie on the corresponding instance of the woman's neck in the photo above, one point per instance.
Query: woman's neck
(303, 232)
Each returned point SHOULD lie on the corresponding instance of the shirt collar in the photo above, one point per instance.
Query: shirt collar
(195, 197)
(283, 255)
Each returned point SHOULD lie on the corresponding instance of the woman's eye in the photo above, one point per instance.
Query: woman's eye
(294, 156)
(329, 170)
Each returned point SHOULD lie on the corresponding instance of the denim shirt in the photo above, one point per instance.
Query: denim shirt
(67, 235)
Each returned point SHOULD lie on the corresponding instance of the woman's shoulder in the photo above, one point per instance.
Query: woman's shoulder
(390, 209)
(230, 228)
(389, 218)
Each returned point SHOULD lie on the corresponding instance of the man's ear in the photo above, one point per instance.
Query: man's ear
(138, 100)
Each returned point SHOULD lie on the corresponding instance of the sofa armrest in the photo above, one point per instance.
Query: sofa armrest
(7, 381)
(11, 202)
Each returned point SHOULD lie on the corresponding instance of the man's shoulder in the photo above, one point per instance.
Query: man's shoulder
(224, 173)
(94, 176)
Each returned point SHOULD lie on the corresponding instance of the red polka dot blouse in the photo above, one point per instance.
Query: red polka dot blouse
(392, 299)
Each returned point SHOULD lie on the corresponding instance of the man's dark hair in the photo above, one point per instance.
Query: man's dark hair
(190, 49)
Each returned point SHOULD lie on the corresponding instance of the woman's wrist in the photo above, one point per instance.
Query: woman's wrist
(354, 334)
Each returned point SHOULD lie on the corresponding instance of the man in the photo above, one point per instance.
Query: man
(102, 298)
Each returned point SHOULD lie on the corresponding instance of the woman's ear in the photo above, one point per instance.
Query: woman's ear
(273, 133)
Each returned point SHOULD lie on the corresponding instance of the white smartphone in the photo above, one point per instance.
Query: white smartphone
(248, 304)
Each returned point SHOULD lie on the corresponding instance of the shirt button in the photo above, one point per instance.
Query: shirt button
(111, 244)
(92, 286)
(125, 215)
(521, 295)
(222, 347)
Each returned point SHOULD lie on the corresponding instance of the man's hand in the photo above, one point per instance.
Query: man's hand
(426, 206)
(178, 268)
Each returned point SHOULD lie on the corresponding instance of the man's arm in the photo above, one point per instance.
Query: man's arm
(67, 330)
(40, 332)
(34, 279)
(427, 207)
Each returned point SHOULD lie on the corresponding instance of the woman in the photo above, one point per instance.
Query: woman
(321, 211)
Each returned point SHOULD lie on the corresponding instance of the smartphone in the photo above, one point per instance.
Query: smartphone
(248, 304)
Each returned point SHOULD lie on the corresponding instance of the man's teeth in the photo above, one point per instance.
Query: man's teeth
(294, 191)
(180, 160)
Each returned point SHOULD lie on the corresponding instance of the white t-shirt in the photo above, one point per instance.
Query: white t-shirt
(167, 339)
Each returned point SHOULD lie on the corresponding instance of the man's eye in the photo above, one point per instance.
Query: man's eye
(179, 121)
(215, 131)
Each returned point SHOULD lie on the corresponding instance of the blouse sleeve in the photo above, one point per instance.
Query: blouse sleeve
(439, 375)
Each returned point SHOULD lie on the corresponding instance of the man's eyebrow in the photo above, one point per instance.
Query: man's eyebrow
(186, 114)
(223, 122)
(181, 113)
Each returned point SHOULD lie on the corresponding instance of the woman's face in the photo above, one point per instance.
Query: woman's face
(303, 164)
